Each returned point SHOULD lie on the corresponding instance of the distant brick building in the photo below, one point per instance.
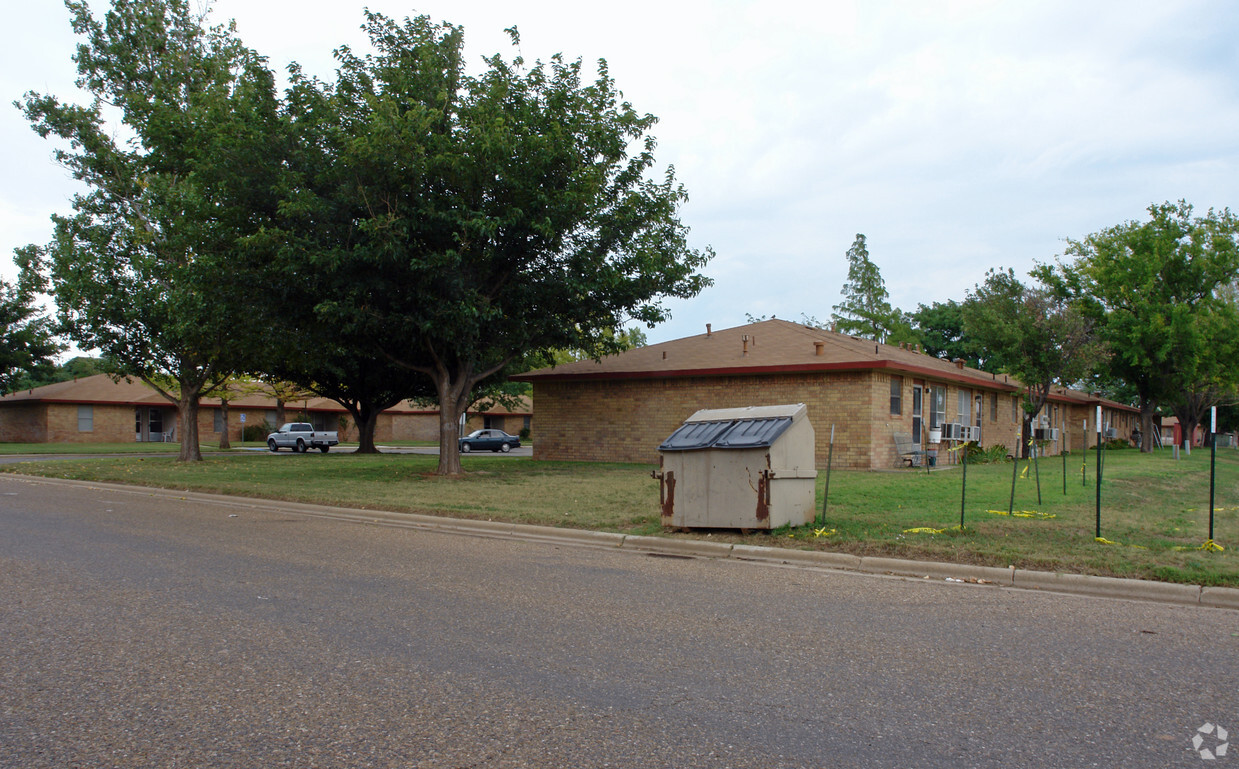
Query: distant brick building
(621, 408)
(98, 410)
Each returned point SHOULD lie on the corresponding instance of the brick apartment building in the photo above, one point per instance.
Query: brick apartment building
(623, 407)
(98, 410)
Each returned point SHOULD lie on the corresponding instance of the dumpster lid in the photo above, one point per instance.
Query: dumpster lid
(753, 427)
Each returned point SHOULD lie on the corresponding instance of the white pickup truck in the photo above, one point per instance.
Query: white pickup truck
(300, 436)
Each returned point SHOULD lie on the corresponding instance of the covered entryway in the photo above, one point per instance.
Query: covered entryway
(154, 424)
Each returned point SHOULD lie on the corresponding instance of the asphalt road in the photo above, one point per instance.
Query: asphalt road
(141, 630)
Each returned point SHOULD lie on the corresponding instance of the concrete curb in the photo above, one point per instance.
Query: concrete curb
(1024, 579)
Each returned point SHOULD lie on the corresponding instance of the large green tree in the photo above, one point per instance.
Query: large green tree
(1041, 338)
(939, 328)
(866, 310)
(28, 342)
(1157, 290)
(498, 214)
(178, 151)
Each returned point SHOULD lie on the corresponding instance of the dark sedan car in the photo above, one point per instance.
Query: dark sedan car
(489, 440)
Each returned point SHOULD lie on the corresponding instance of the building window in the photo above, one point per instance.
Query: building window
(219, 420)
(155, 424)
(896, 395)
(965, 408)
(937, 407)
(85, 419)
(993, 407)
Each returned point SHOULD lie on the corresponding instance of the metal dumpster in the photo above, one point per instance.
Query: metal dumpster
(743, 468)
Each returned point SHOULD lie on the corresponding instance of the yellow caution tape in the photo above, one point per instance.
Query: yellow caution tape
(1024, 514)
(1212, 546)
(823, 532)
(1105, 541)
(924, 530)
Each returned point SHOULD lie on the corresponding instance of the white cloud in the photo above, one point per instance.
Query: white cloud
(957, 136)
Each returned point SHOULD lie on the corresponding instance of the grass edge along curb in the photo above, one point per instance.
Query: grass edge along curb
(1080, 584)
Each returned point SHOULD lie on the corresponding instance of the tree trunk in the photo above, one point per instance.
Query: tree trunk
(279, 413)
(453, 400)
(1146, 426)
(187, 410)
(366, 420)
(224, 442)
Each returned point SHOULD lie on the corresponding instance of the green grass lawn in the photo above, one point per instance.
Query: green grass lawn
(94, 448)
(1155, 510)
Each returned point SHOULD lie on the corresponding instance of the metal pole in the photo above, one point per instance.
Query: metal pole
(1099, 450)
(1062, 449)
(963, 487)
(1015, 470)
(1212, 466)
(830, 459)
(1037, 466)
(1084, 456)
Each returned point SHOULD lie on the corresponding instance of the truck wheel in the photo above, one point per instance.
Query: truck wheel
(300, 446)
(324, 449)
(506, 448)
(272, 445)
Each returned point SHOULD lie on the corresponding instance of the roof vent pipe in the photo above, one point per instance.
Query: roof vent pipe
(708, 332)
(664, 354)
(744, 350)
(817, 347)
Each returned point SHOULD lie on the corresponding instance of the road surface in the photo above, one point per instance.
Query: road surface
(138, 629)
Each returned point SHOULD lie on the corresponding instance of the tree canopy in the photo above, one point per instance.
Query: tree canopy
(28, 342)
(1041, 338)
(144, 269)
(492, 215)
(865, 310)
(1157, 290)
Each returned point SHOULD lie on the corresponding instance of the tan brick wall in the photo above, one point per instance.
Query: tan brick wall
(111, 424)
(414, 427)
(24, 424)
(626, 420)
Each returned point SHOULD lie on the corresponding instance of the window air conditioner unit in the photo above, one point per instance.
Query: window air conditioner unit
(1043, 420)
(950, 431)
(1054, 434)
(1041, 434)
(1111, 433)
(965, 433)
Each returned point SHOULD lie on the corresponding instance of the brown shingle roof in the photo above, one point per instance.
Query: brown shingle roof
(767, 347)
(101, 390)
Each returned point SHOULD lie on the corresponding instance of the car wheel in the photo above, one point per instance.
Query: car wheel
(506, 448)
(272, 445)
(300, 446)
(465, 448)
(324, 449)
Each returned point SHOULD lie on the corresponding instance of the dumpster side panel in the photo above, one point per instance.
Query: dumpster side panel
(734, 476)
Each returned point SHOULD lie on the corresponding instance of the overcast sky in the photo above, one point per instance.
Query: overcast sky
(957, 136)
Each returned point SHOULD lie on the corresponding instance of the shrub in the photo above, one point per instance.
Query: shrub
(256, 432)
(986, 456)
